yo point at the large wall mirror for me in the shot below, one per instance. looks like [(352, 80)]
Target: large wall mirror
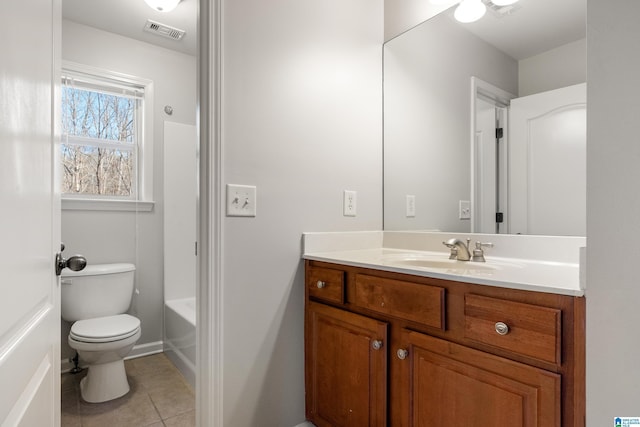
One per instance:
[(485, 122)]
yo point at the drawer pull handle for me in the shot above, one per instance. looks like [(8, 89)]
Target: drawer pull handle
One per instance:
[(402, 353), (502, 328), (376, 344), (321, 284)]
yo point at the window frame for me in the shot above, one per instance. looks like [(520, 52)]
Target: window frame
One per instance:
[(142, 200)]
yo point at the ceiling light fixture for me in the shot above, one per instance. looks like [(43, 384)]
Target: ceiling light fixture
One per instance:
[(162, 5), (470, 11), (503, 2)]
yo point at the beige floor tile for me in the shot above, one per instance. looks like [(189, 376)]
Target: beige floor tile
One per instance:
[(132, 410), (70, 381), (173, 400), (158, 391), (69, 403), (70, 420), (187, 419)]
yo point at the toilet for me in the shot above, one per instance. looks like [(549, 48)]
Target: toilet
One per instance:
[(96, 300)]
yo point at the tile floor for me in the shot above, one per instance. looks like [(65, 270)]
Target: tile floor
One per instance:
[(159, 397)]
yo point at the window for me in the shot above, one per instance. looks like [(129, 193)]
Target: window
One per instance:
[(103, 129)]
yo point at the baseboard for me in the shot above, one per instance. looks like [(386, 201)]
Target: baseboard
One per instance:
[(146, 349), (139, 350)]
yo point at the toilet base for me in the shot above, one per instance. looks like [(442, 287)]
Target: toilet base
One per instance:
[(104, 382)]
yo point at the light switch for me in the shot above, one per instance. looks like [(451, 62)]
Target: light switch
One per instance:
[(241, 200), (464, 209), (410, 206)]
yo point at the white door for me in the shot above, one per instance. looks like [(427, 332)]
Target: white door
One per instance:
[(547, 162), (29, 214)]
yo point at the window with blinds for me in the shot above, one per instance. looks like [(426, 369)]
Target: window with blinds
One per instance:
[(101, 136)]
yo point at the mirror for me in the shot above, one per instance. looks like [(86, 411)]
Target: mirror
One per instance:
[(443, 81)]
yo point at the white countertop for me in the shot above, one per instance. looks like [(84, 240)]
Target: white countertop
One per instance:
[(530, 274)]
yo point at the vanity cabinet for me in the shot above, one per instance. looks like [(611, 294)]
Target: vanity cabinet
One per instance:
[(391, 349)]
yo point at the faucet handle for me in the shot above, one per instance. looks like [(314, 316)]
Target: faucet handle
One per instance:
[(454, 250), (478, 253)]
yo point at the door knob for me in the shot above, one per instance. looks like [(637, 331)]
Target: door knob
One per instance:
[(75, 263)]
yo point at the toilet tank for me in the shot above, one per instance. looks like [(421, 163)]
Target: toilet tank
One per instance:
[(98, 290)]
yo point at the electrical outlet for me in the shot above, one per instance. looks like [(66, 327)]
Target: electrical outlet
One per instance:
[(464, 209), (411, 206), (349, 203), (241, 200)]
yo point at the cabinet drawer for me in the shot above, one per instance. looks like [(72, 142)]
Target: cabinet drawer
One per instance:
[(526, 329), (410, 301), (326, 284)]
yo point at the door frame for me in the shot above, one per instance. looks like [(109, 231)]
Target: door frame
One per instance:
[(209, 325), (500, 98)]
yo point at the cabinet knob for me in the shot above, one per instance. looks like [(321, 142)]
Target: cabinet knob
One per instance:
[(321, 284), (402, 353), (376, 344), (502, 328)]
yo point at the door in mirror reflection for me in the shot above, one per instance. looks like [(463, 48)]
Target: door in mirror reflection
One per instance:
[(547, 163)]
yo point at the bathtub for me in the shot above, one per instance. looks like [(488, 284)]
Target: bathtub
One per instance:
[(180, 336)]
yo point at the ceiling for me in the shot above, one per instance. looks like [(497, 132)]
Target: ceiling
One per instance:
[(532, 27), (128, 18)]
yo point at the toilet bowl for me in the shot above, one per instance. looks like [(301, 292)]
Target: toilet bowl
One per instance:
[(103, 343), (95, 299)]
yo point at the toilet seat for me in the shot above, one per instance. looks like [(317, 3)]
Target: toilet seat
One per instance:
[(105, 329)]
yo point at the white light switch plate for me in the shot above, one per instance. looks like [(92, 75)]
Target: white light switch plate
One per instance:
[(241, 200), (464, 209), (411, 206)]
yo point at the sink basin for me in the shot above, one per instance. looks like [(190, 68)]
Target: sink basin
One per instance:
[(440, 262), (448, 264)]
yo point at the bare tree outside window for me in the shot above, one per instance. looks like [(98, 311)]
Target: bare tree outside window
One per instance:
[(99, 143)]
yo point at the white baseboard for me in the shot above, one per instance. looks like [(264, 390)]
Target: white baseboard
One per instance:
[(146, 349), (139, 350)]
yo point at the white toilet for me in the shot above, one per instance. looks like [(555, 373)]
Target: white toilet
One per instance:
[(96, 299)]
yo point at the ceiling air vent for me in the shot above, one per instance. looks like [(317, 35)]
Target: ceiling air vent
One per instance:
[(163, 30), (500, 11)]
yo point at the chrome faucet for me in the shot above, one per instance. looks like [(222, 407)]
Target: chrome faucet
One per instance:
[(459, 249)]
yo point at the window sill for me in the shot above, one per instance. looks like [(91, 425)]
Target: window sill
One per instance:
[(106, 205)]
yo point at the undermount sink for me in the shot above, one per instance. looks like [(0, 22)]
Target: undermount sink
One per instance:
[(447, 264), (440, 262)]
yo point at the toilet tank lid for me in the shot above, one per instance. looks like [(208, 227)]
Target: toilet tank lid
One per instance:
[(99, 269)]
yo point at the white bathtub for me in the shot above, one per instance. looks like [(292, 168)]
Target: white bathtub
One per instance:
[(180, 335)]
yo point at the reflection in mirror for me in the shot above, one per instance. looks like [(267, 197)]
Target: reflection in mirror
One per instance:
[(449, 86)]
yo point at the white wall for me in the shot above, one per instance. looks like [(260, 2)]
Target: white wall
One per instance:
[(563, 66), (120, 236), (613, 211), (427, 127), (401, 15), (302, 120)]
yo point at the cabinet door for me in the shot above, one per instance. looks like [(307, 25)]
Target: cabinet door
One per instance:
[(346, 368), (449, 384)]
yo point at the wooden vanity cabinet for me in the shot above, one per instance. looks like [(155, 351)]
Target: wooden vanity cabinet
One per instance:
[(390, 349)]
